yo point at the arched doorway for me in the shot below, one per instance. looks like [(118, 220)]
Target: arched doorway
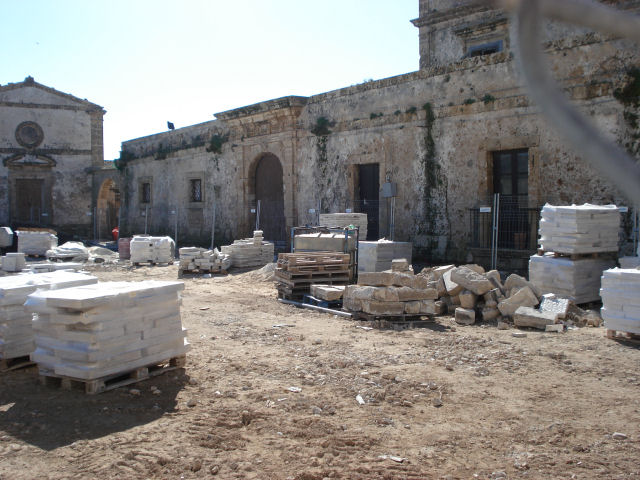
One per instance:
[(108, 204), (268, 188)]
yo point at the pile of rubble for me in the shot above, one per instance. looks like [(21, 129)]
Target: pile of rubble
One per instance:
[(93, 331), (16, 331), (195, 259), (147, 249), (36, 242), (250, 252)]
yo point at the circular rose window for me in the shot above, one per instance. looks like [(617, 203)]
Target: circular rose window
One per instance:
[(29, 134)]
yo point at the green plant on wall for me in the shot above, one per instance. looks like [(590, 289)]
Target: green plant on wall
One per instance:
[(322, 130), (216, 142)]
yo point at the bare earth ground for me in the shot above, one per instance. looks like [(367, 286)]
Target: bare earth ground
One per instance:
[(543, 406)]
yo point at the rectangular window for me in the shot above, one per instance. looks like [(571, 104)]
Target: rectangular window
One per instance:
[(145, 192), (196, 190), (484, 49)]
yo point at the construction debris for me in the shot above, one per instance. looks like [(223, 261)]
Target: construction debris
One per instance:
[(147, 249), (296, 272), (346, 220), (250, 252), (94, 331), (579, 229), (16, 331), (195, 259), (621, 300), (36, 242), (75, 251)]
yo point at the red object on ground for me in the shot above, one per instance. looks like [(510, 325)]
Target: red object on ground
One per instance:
[(114, 233)]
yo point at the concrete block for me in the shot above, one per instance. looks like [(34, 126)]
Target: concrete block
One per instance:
[(522, 298), (465, 316), (327, 292), (468, 299), (530, 317), (557, 305), (471, 280)]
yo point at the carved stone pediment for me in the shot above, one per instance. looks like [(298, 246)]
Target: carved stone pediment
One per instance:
[(29, 160)]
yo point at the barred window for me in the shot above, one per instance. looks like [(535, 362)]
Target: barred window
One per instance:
[(196, 190), (145, 193)]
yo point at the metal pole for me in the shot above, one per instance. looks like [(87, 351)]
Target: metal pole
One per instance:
[(213, 224), (258, 216), (146, 216), (393, 218), (175, 226), (95, 223), (494, 231), (318, 210)]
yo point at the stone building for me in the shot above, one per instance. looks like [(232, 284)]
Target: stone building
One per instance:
[(442, 140), (50, 145)]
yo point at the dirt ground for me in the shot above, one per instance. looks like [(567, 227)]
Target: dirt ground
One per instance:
[(439, 402)]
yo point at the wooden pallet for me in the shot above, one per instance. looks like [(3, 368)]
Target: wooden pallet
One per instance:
[(393, 322), (329, 280), (8, 364), (625, 336), (288, 275), (110, 382), (580, 256), (314, 268)]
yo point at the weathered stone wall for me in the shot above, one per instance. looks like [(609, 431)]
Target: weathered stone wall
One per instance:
[(69, 144), (432, 132)]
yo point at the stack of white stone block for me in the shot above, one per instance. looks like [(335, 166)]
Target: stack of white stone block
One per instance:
[(345, 220), (195, 258), (578, 279), (574, 230), (579, 229), (377, 256), (16, 330), (250, 252), (620, 294), (152, 249), (94, 331), (13, 262), (35, 243)]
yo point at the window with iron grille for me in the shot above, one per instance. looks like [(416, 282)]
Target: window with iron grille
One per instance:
[(196, 189), (145, 192)]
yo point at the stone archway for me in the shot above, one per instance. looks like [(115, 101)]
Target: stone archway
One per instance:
[(266, 186), (108, 207)]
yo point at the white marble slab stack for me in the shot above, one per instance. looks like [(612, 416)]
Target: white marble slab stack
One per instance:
[(250, 252), (36, 243), (579, 229), (16, 330), (13, 262), (152, 249), (620, 294), (578, 279), (94, 331)]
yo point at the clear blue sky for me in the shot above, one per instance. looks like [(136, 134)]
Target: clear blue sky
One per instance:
[(150, 61)]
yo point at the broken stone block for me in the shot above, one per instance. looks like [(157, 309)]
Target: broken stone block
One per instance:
[(452, 287), (359, 292), (494, 277), (556, 327), (476, 268), (467, 299), (490, 313), (465, 316), (407, 294), (530, 317), (441, 288), (382, 308), (438, 272), (327, 292), (491, 304), (431, 307), (400, 265), (472, 281), (353, 304), (440, 307), (503, 325), (455, 300), (412, 308), (522, 298), (385, 294), (515, 281), (376, 279), (418, 282), (551, 303)]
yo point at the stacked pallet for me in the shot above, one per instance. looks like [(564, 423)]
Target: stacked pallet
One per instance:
[(92, 332), (377, 256), (576, 279), (36, 242), (147, 249), (16, 331), (13, 262), (579, 229), (296, 272), (621, 301), (250, 252), (345, 220), (392, 294), (195, 259)]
